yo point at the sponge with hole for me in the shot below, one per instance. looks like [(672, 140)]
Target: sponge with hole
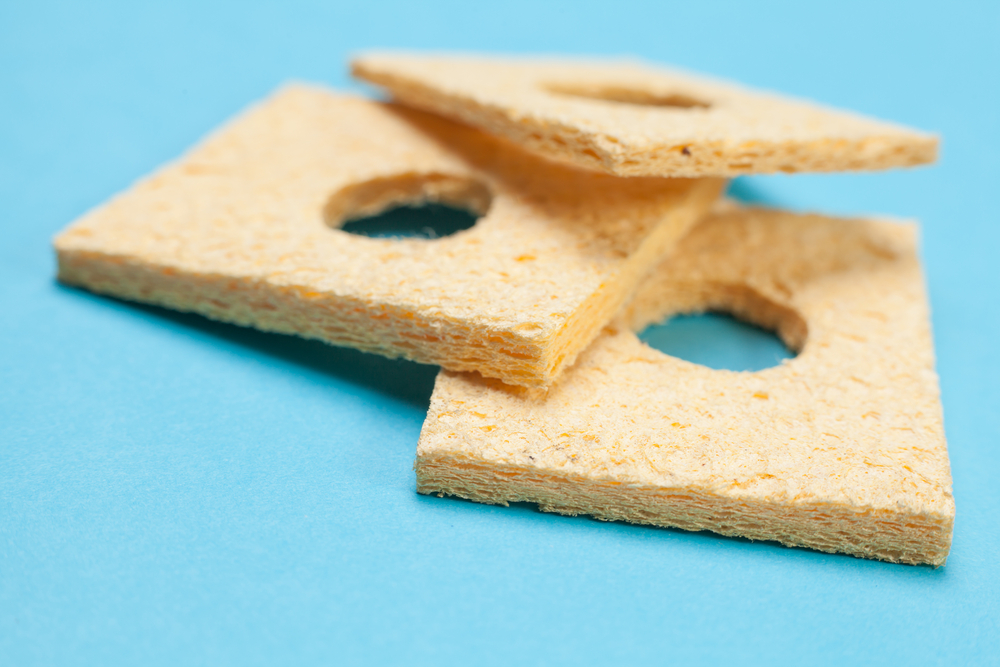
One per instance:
[(841, 449), (244, 229), (633, 119)]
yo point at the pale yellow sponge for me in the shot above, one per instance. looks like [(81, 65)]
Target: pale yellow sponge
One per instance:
[(244, 229), (841, 449), (632, 119)]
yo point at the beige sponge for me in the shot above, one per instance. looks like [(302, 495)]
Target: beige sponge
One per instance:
[(841, 449), (244, 229), (632, 119)]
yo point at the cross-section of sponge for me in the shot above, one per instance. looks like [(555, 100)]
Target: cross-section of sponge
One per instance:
[(244, 229), (840, 449)]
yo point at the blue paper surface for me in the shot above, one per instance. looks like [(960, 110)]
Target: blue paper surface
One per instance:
[(177, 491)]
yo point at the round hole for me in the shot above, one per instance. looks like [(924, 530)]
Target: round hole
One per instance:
[(718, 341), (430, 221), (629, 95), (422, 206)]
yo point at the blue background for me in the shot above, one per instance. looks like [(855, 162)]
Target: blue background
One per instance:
[(175, 491)]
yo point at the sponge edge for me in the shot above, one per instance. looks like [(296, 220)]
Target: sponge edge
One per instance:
[(632, 119), (841, 449), (244, 229)]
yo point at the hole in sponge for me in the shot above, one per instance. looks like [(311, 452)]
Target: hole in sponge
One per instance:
[(629, 95), (430, 221), (717, 340), (426, 206)]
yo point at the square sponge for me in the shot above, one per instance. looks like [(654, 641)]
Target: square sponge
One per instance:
[(245, 229), (632, 119), (840, 449)]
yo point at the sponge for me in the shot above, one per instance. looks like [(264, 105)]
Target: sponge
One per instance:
[(840, 449), (245, 229), (632, 119)]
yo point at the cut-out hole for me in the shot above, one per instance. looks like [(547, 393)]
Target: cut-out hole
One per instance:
[(430, 221), (717, 340), (629, 95), (427, 206)]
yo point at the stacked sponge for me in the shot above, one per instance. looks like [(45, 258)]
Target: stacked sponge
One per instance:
[(597, 185)]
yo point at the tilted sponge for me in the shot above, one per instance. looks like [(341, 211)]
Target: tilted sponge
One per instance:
[(244, 229), (632, 119), (840, 449)]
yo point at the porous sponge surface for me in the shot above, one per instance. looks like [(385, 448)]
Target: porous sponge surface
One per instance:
[(633, 119), (839, 449), (244, 229)]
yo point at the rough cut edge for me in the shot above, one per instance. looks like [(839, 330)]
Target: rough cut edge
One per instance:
[(376, 328), (391, 331), (600, 152), (923, 539)]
